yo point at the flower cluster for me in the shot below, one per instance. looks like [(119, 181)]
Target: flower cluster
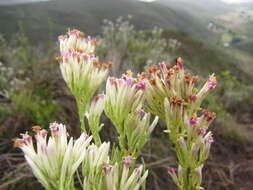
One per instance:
[(138, 129), (80, 68), (166, 91), (100, 174), (55, 159), (123, 96), (127, 179), (92, 167), (123, 105), (75, 39), (168, 81), (172, 94)]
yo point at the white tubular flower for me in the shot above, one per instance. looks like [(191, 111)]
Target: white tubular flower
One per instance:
[(93, 166), (207, 141), (82, 72), (122, 97), (93, 116), (96, 106), (112, 177), (197, 177), (172, 173), (81, 69), (75, 39), (98, 155), (172, 95), (165, 81), (210, 84), (174, 114), (138, 129), (125, 181), (55, 160), (168, 82)]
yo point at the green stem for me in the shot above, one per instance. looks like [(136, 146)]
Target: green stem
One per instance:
[(81, 112), (97, 139), (122, 143)]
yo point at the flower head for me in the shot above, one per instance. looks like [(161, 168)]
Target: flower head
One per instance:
[(55, 157), (169, 82), (80, 67), (208, 115), (123, 95), (75, 39)]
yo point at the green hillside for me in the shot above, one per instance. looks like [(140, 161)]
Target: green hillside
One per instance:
[(89, 15)]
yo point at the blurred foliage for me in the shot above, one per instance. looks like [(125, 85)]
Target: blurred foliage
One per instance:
[(131, 49), (27, 82)]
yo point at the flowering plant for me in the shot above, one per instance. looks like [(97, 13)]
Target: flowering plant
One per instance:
[(171, 94), (123, 105), (166, 92), (81, 69)]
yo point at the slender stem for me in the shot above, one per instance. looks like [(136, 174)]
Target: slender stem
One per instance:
[(81, 111), (122, 143), (97, 139)]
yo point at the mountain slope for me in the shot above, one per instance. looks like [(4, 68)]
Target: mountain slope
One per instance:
[(88, 16)]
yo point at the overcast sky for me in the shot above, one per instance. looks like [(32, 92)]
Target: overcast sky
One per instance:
[(237, 1), (227, 1)]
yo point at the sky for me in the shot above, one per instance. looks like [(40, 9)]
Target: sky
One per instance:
[(227, 1), (237, 1), (149, 1)]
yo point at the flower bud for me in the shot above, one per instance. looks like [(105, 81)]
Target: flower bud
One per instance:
[(194, 119), (54, 128), (128, 161), (172, 173), (180, 63), (182, 145), (208, 116), (27, 139), (107, 168), (193, 98), (138, 170), (200, 131), (141, 85), (212, 83), (162, 65), (43, 133), (197, 176)]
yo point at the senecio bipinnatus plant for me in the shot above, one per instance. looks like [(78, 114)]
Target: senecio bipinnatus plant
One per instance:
[(61, 163)]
